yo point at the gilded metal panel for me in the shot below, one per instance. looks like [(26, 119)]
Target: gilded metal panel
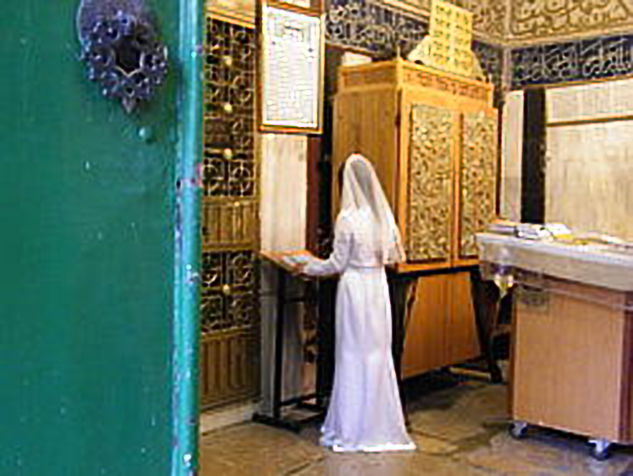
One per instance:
[(229, 224), (478, 179), (228, 367), (430, 184), (229, 152), (229, 291), (230, 266)]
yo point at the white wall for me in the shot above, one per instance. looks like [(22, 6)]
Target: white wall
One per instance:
[(511, 156), (283, 205), (589, 176), (283, 192)]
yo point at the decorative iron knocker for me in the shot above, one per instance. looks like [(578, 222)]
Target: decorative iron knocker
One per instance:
[(121, 49)]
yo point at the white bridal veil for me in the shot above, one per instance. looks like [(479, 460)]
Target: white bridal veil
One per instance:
[(362, 191)]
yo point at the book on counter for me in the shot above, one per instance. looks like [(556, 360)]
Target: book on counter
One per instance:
[(530, 231), (503, 227)]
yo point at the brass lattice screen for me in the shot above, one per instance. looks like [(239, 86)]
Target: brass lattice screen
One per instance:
[(230, 272)]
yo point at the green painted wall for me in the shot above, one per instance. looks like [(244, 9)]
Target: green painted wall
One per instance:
[(88, 267)]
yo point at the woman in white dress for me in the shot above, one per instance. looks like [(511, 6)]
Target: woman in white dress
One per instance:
[(365, 413)]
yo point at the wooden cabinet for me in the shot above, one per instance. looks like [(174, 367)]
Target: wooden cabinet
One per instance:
[(442, 328), (571, 365), (572, 345), (432, 137)]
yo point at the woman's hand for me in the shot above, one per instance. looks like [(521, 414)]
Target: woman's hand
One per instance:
[(298, 269)]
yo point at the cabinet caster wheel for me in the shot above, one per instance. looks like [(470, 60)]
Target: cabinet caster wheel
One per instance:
[(600, 449), (518, 430)]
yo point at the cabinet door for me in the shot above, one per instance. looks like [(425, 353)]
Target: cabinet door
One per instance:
[(428, 183), (477, 180), (425, 339), (462, 342), (365, 122), (441, 327), (96, 282)]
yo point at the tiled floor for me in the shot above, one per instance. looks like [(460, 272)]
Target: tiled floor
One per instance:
[(459, 426)]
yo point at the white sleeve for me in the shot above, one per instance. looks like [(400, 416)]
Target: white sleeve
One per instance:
[(342, 247)]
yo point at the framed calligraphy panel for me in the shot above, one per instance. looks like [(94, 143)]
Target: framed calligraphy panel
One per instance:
[(291, 67)]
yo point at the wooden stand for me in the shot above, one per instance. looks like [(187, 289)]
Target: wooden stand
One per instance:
[(322, 291), (309, 296), (491, 307)]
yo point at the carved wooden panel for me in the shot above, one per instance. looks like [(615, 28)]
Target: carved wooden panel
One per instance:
[(430, 194), (366, 78), (478, 179), (415, 75), (229, 308), (449, 84)]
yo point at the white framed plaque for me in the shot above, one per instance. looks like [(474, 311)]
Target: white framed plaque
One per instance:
[(290, 73)]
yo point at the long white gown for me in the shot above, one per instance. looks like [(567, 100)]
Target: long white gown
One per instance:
[(365, 412)]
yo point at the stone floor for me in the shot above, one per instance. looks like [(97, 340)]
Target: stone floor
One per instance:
[(460, 427)]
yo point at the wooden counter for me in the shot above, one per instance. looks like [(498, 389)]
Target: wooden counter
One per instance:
[(572, 339)]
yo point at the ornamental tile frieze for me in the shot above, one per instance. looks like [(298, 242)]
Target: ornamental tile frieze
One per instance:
[(372, 27), (582, 60), (539, 19)]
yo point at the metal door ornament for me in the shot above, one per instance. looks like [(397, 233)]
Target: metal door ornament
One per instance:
[(121, 49)]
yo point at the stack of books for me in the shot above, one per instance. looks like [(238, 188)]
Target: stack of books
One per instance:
[(503, 227), (530, 231)]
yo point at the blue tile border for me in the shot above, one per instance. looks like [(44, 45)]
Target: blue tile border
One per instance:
[(581, 60)]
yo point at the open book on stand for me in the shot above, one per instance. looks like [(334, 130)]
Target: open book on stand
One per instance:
[(296, 259), (289, 260)]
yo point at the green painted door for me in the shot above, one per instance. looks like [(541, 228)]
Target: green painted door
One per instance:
[(98, 341)]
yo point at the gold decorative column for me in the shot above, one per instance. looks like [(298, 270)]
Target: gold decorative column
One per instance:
[(230, 230)]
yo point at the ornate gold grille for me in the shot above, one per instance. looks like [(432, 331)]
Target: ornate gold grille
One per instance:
[(479, 179), (228, 282), (230, 272), (430, 184), (229, 156)]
